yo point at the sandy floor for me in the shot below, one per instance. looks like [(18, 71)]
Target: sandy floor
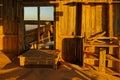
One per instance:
[(65, 71)]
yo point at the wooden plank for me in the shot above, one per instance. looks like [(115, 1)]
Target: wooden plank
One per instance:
[(81, 1), (87, 23), (110, 57), (9, 44), (98, 19), (20, 26), (119, 59), (110, 23), (101, 45), (1, 30), (36, 22), (1, 43), (40, 57), (38, 14), (62, 36), (93, 25), (102, 60), (58, 9), (112, 72), (83, 32), (72, 20), (110, 63)]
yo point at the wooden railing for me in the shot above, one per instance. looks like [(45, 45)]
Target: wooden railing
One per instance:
[(31, 36)]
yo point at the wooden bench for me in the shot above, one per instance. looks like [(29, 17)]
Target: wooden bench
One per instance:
[(40, 57)]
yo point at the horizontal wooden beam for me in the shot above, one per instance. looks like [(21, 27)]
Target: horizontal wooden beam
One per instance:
[(110, 57), (45, 3), (30, 36), (100, 45), (71, 36), (107, 38), (2, 35), (35, 22), (57, 2)]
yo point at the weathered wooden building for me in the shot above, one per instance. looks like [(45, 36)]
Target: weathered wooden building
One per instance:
[(87, 32)]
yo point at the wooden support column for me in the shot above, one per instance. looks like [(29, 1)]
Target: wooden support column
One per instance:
[(110, 29), (38, 28), (102, 60), (119, 59), (110, 23)]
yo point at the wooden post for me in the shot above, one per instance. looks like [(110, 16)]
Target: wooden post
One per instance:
[(38, 27), (110, 28), (110, 23), (102, 60)]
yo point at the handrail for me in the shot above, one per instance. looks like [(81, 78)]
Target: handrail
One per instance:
[(31, 36)]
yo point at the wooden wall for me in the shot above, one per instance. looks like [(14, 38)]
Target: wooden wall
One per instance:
[(84, 18), (71, 18), (116, 19), (94, 19), (8, 28), (65, 24)]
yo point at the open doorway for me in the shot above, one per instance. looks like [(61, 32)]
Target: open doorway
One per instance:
[(39, 27)]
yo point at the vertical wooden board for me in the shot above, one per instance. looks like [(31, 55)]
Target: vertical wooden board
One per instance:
[(115, 9), (20, 27), (105, 18), (98, 18), (65, 20), (102, 60), (87, 21), (110, 23), (93, 26), (83, 20), (61, 18), (79, 51), (78, 19), (116, 20), (116, 64), (110, 63), (1, 29), (90, 20), (61, 21), (74, 27), (71, 20), (1, 43), (10, 44), (116, 53), (70, 11), (14, 45), (58, 25), (69, 49)]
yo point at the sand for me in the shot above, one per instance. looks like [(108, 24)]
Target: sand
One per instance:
[(65, 71)]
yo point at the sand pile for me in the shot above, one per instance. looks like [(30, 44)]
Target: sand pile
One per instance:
[(4, 60)]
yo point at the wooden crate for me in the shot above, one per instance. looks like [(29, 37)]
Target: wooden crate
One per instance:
[(40, 57)]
